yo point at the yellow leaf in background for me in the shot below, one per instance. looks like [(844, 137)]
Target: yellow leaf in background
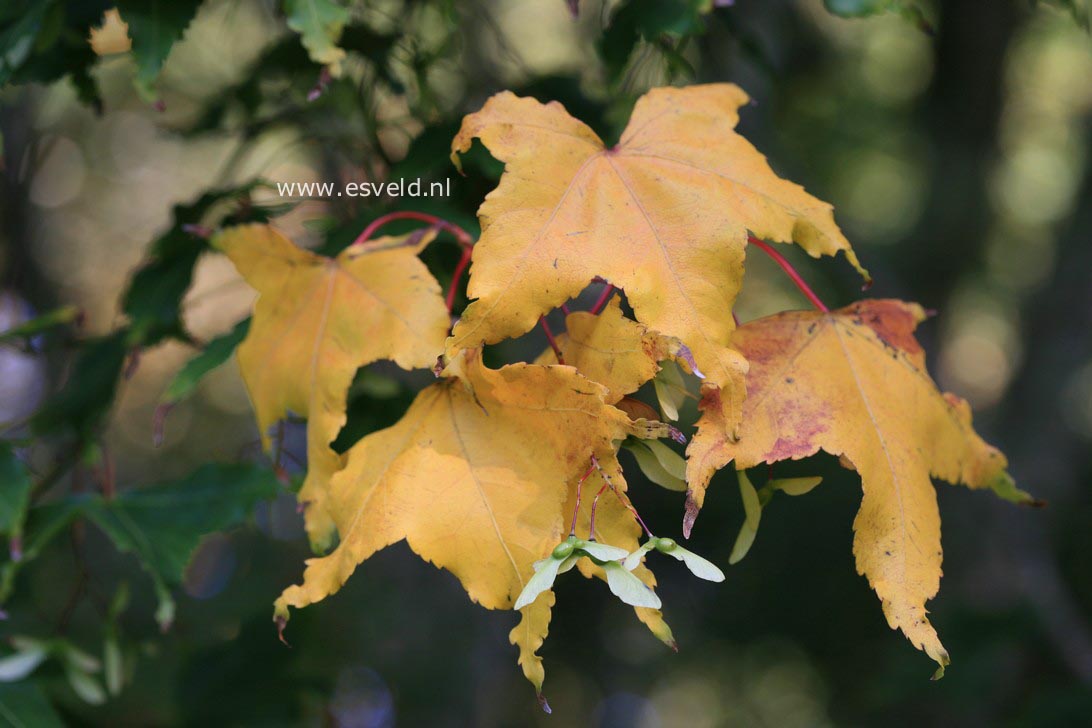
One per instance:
[(611, 349), (317, 320), (853, 383), (475, 477), (663, 215), (112, 36)]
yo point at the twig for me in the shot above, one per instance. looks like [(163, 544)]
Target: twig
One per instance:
[(579, 489), (787, 267), (460, 235), (603, 299), (621, 499), (594, 506), (550, 338)]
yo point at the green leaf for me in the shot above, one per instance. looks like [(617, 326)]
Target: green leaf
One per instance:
[(670, 389), (88, 394), (24, 704), (634, 559), (377, 48), (113, 661), (628, 587), (546, 572), (112, 665), (647, 19), (86, 687), (752, 510), (42, 41), (319, 24), (859, 8), (43, 523), (1078, 10), (162, 524), (660, 464), (72, 655), (601, 551), (58, 317), (19, 35), (699, 566), (215, 353), (910, 11), (15, 487), (1005, 487), (26, 660), (154, 27), (794, 486), (153, 299)]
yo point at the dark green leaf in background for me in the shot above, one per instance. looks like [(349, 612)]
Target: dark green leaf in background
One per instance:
[(24, 705), (87, 395), (14, 492), (161, 524), (215, 353), (153, 299), (154, 26), (46, 40), (649, 20), (58, 317)]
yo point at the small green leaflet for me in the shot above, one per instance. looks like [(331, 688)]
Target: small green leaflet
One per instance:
[(564, 557), (79, 668), (1005, 487), (15, 487), (628, 587), (546, 572), (698, 566), (755, 500), (660, 464), (57, 317), (752, 515), (216, 352), (670, 389)]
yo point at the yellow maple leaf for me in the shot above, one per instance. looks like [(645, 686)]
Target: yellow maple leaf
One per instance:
[(619, 353), (112, 36), (475, 478), (663, 215), (853, 383), (317, 320)]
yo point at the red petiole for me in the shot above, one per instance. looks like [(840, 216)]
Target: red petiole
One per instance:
[(457, 276), (550, 338), (579, 490), (462, 236), (603, 299), (790, 271)]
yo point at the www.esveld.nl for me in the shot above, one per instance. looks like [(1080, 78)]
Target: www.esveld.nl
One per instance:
[(396, 188)]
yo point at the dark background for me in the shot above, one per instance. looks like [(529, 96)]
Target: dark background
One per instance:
[(959, 166)]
